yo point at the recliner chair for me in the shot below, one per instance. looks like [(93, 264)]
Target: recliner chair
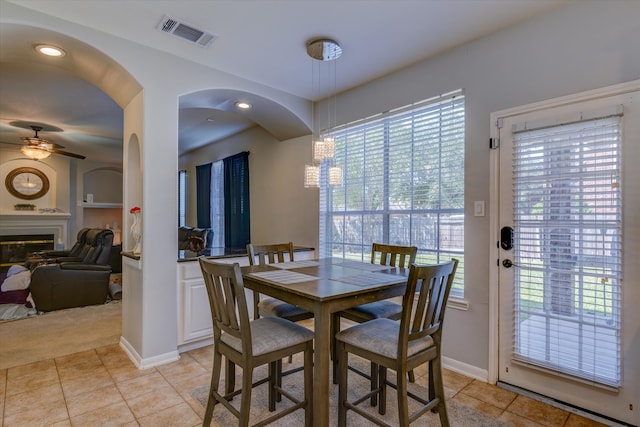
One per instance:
[(75, 281), (51, 256)]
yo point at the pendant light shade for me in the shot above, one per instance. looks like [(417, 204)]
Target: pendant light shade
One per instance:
[(311, 176), (335, 175)]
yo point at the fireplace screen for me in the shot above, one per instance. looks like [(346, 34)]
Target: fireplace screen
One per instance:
[(16, 249)]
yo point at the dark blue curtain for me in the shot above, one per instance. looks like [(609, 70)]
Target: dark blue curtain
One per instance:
[(236, 201), (203, 195)]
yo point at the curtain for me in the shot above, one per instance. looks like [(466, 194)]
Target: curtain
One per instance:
[(236, 195), (203, 195)]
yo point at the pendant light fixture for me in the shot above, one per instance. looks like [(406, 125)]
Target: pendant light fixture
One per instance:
[(323, 53)]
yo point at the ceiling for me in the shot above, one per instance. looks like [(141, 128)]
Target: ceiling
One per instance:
[(260, 40)]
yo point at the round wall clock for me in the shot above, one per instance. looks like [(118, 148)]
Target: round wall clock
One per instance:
[(27, 183)]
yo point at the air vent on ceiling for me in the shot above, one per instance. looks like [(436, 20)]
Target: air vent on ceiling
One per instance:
[(185, 31)]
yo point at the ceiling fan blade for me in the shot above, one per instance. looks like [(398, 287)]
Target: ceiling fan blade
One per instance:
[(10, 143), (66, 153)]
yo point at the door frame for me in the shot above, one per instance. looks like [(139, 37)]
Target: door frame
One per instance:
[(494, 199)]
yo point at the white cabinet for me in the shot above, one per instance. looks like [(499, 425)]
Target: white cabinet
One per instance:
[(194, 315), (194, 318)]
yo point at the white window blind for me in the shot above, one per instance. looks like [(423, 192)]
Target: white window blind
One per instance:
[(403, 184), (567, 222)]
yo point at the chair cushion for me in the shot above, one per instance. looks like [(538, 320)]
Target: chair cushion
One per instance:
[(278, 308), (270, 334), (384, 309), (380, 336)]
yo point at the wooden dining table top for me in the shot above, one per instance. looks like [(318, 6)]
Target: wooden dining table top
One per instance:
[(325, 286), (327, 278)]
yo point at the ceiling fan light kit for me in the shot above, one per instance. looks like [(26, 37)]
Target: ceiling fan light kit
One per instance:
[(34, 152)]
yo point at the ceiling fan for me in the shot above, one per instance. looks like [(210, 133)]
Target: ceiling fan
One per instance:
[(39, 148)]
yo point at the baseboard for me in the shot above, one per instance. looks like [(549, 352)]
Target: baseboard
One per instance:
[(150, 362), (194, 345), (465, 369)]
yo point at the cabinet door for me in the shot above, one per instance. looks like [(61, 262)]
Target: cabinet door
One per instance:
[(195, 315)]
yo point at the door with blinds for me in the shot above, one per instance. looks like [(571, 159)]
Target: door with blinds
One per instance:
[(569, 239)]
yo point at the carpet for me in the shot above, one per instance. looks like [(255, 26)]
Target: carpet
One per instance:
[(459, 414), (59, 333)]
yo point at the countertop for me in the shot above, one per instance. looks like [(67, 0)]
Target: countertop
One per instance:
[(212, 253)]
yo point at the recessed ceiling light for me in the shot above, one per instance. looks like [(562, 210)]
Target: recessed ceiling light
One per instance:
[(49, 50), (243, 105)]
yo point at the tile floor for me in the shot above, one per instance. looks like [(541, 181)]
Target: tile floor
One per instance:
[(101, 387)]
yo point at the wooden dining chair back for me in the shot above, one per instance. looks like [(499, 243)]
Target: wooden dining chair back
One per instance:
[(267, 306), (403, 346), (393, 256), (270, 254), (250, 344)]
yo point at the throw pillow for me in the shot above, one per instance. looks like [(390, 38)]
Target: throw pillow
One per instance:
[(17, 282), (15, 269)]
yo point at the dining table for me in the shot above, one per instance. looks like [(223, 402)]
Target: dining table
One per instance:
[(325, 286)]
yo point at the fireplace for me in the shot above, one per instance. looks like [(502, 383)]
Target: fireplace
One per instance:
[(16, 226), (17, 249)]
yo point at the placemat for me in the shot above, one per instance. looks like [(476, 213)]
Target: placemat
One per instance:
[(283, 276), (295, 264), (363, 265), (370, 278)]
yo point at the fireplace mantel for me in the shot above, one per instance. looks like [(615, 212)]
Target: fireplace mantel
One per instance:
[(14, 222)]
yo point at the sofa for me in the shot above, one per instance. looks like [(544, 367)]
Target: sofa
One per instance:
[(189, 238), (75, 281)]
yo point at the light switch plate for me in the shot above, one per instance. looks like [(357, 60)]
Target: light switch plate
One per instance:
[(478, 208)]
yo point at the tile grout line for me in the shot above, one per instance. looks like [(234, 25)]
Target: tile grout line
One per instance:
[(115, 383), (4, 396), (64, 397), (177, 392)]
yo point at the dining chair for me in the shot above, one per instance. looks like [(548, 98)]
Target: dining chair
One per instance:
[(402, 346), (393, 256), (249, 344), (269, 306)]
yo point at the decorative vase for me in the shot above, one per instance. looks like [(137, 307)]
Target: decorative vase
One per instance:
[(136, 232)]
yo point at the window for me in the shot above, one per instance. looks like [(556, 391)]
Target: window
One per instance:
[(403, 184), (217, 204), (182, 198)]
